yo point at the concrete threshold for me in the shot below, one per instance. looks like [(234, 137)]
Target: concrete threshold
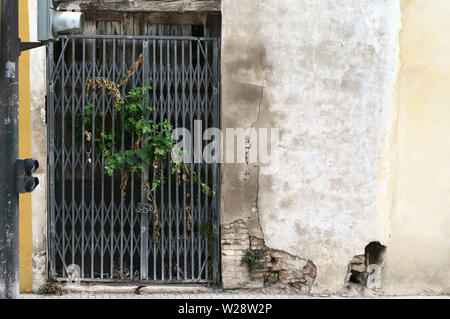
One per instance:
[(139, 289)]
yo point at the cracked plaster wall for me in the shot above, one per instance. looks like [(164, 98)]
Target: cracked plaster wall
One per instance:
[(39, 152), (323, 73)]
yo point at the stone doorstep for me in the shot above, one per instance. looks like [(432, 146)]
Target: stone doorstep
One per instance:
[(147, 289), (241, 286)]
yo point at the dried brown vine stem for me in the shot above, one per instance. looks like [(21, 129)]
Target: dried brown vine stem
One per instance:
[(132, 70), (102, 83), (88, 135), (155, 210), (124, 182), (137, 144), (112, 87), (185, 178), (189, 217)]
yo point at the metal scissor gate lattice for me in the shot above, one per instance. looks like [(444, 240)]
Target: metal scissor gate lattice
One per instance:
[(109, 236)]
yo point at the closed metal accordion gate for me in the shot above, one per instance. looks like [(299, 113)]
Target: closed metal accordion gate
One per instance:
[(107, 234)]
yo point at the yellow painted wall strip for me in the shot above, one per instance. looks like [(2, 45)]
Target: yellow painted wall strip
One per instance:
[(25, 222)]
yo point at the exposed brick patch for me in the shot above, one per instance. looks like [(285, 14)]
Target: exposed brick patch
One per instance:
[(283, 270), (292, 270), (235, 242), (357, 271), (272, 268)]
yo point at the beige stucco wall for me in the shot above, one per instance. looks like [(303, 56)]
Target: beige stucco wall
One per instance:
[(39, 152), (418, 254)]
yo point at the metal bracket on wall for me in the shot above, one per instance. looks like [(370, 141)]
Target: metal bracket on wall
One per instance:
[(24, 46)]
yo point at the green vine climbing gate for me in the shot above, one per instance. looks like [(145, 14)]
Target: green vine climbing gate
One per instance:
[(119, 207)]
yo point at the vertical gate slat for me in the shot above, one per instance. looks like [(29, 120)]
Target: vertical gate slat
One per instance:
[(112, 202), (131, 217), (191, 178), (206, 169), (73, 149), (92, 236), (177, 207), (63, 162), (169, 198), (184, 147), (83, 151), (155, 252), (144, 179), (199, 142), (102, 231), (161, 190), (122, 170), (51, 158)]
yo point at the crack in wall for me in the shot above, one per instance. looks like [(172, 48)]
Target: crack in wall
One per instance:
[(287, 269)]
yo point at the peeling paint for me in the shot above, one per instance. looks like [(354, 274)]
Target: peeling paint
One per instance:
[(10, 70)]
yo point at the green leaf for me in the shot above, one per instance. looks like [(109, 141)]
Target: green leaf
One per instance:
[(120, 159), (142, 154), (160, 151), (207, 190)]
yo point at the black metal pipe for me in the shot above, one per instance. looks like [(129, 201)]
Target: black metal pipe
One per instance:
[(9, 150)]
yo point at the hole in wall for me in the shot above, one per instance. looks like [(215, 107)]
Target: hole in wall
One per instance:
[(357, 277), (364, 271), (374, 253)]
